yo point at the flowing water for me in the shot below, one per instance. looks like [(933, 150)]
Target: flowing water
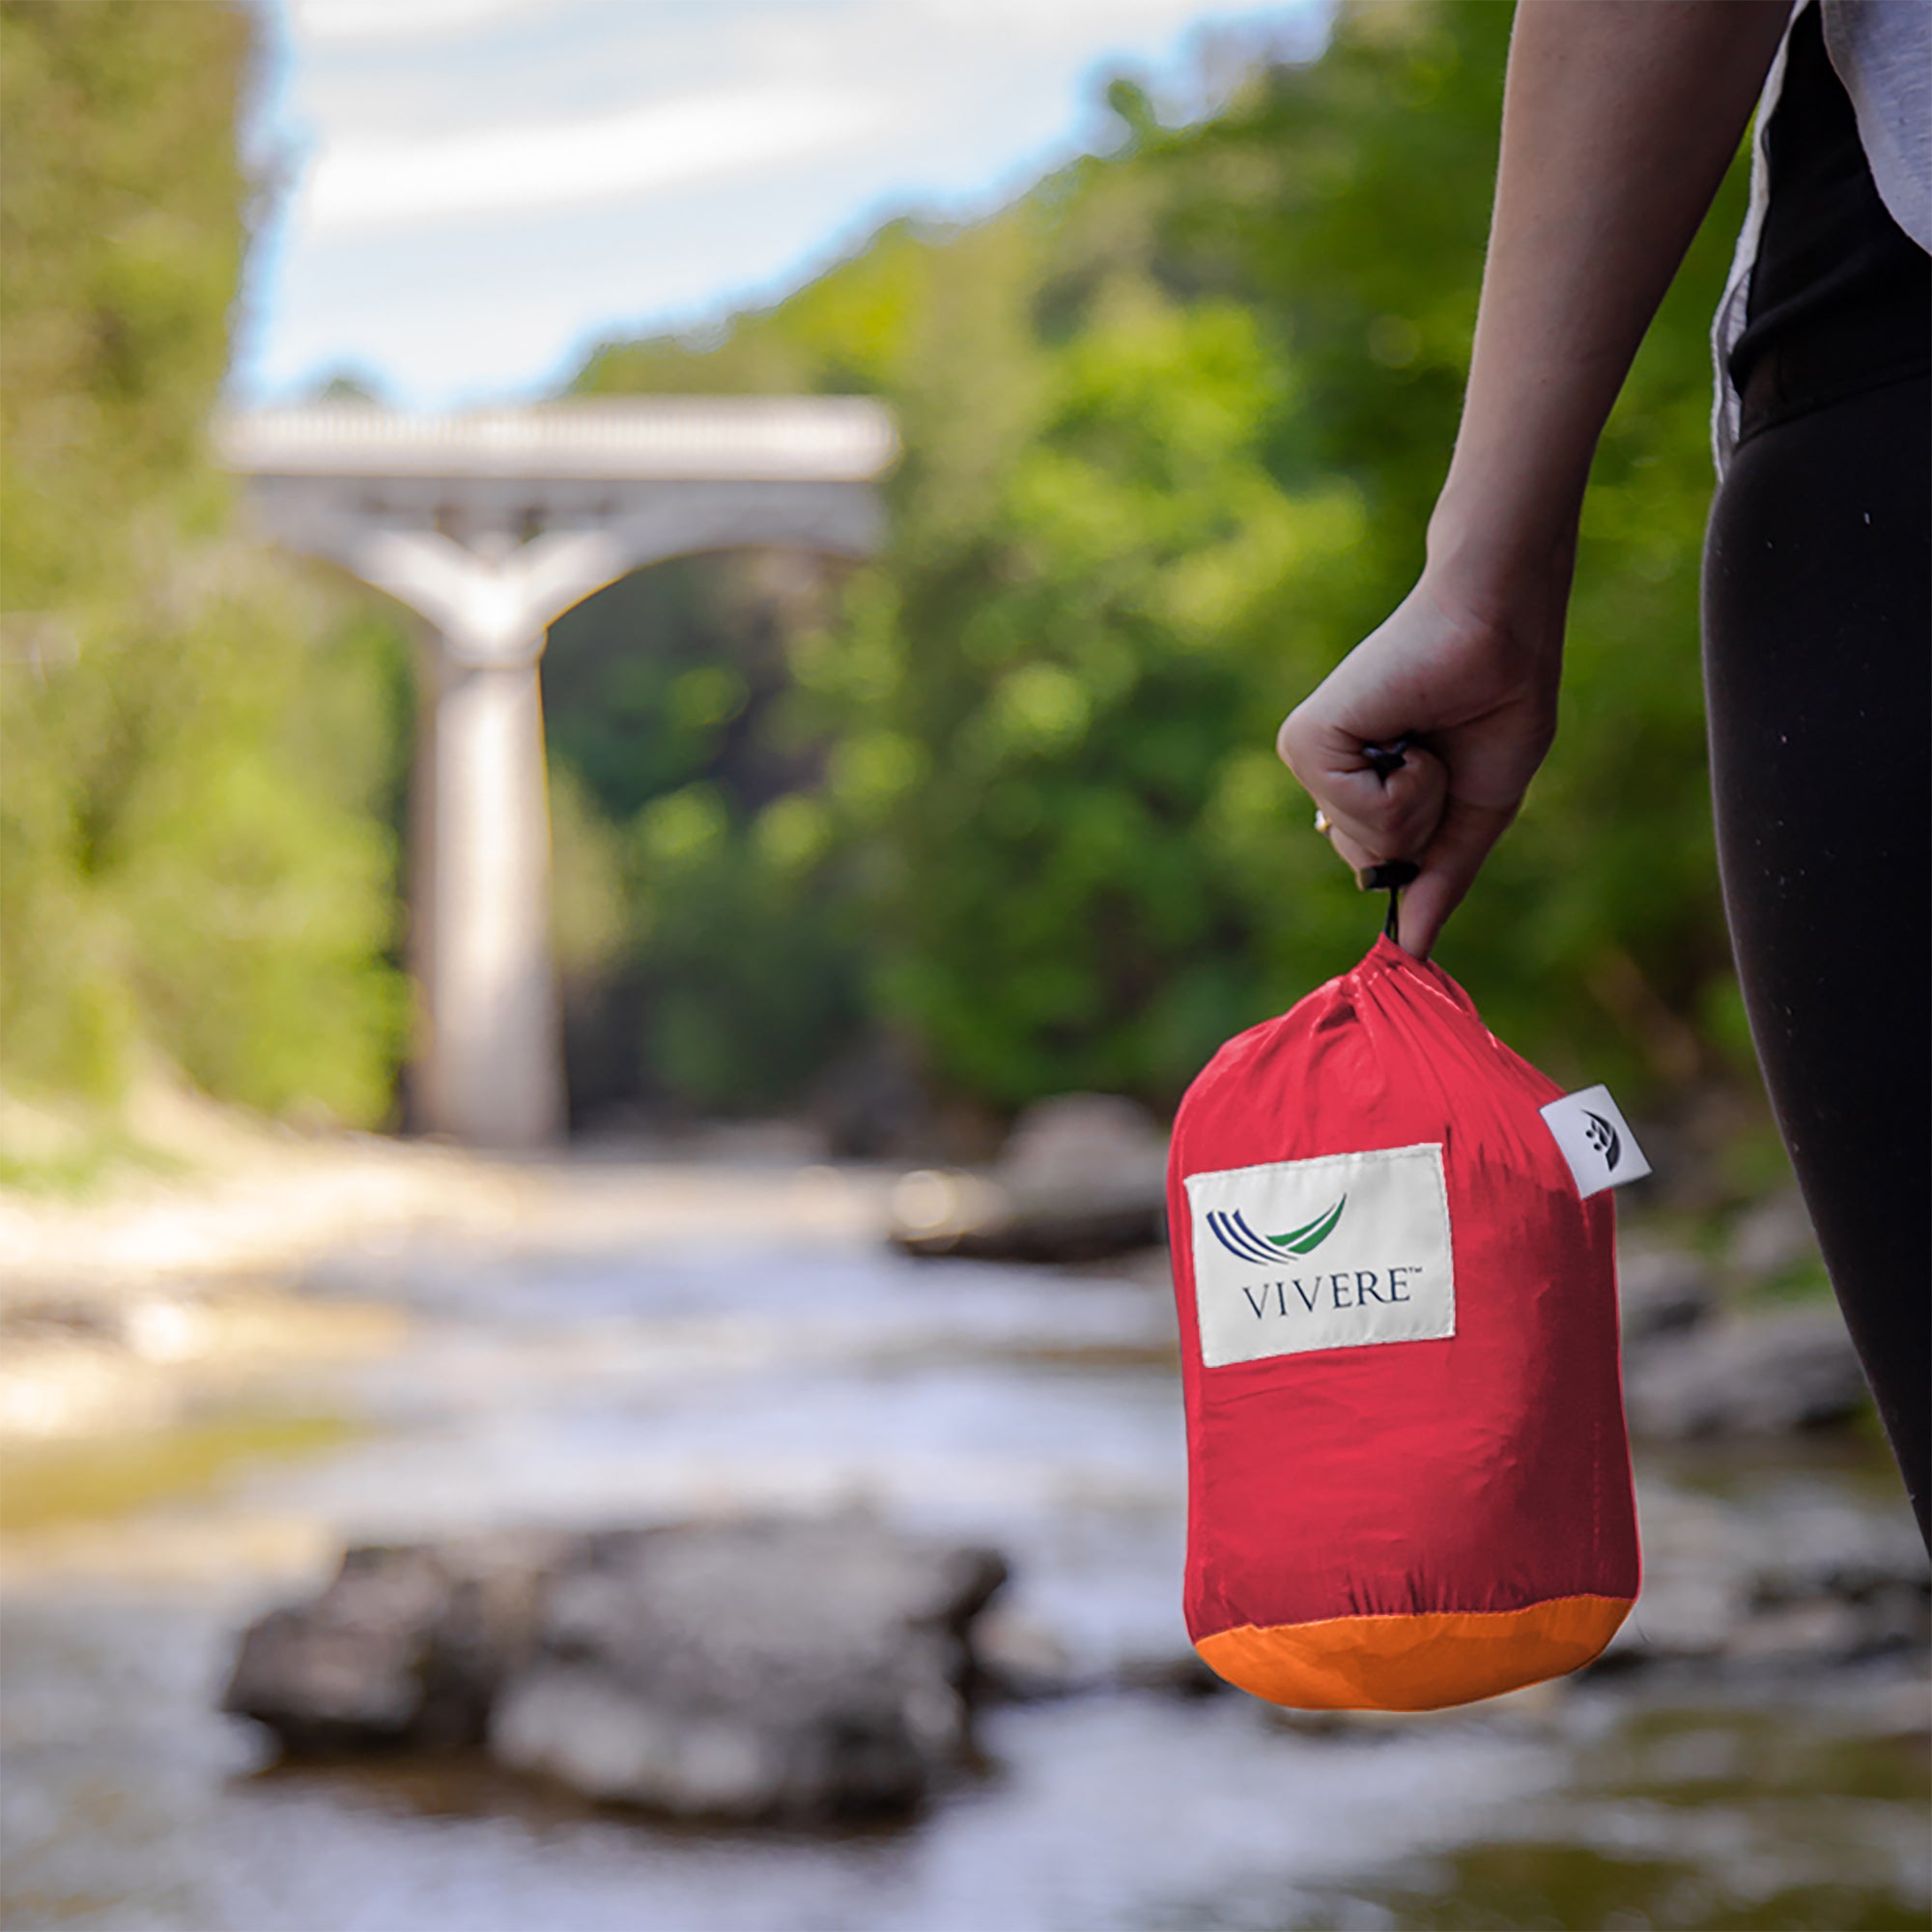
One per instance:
[(742, 1365)]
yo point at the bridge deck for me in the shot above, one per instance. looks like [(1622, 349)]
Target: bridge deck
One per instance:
[(657, 438)]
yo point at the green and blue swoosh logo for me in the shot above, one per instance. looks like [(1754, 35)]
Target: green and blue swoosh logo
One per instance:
[(1233, 1231)]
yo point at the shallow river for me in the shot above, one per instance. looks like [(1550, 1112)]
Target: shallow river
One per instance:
[(1033, 1409)]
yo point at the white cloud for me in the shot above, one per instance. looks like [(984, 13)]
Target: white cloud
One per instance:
[(355, 23), (374, 183)]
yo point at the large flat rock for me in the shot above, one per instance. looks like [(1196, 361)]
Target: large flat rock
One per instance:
[(785, 1670)]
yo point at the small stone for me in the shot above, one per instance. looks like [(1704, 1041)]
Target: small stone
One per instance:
[(1181, 1674), (404, 1646), (1898, 1617), (1696, 1585), (1824, 1630), (1020, 1660), (1773, 1237), (1082, 1176), (1822, 1551), (1762, 1375), (1663, 1292), (1084, 1143)]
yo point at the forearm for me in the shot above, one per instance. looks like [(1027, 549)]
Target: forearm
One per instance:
[(1619, 119)]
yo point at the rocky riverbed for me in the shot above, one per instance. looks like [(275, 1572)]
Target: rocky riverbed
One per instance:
[(728, 1343)]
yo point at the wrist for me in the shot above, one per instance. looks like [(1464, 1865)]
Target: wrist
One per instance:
[(1503, 568)]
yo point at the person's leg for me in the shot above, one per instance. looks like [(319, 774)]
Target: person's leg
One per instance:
[(1818, 676)]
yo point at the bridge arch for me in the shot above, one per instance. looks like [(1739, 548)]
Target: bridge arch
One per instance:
[(490, 525)]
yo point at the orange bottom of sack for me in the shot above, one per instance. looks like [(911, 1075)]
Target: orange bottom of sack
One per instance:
[(1419, 1662)]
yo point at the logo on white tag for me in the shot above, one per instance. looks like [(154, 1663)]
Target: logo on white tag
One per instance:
[(1596, 1140), (1337, 1252)]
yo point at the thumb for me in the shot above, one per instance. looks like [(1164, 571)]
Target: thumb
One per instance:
[(1449, 867)]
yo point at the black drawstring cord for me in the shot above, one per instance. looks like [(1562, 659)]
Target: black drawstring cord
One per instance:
[(1392, 874), (1390, 877)]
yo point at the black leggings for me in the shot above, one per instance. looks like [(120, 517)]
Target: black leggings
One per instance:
[(1818, 678)]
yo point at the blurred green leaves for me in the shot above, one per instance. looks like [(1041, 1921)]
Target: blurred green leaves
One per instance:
[(1172, 425), (708, 944), (199, 746)]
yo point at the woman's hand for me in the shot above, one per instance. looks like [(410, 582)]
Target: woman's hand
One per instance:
[(1476, 696)]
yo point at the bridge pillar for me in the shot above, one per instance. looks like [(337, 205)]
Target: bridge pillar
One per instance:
[(489, 1063)]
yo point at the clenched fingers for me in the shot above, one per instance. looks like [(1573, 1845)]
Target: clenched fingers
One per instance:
[(1380, 818)]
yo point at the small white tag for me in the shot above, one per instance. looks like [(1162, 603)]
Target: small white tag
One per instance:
[(1596, 1140), (1335, 1252)]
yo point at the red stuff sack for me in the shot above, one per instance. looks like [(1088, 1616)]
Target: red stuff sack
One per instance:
[(1408, 1477)]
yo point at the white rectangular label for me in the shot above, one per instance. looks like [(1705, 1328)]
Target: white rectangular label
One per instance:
[(1336, 1252), (1596, 1140)]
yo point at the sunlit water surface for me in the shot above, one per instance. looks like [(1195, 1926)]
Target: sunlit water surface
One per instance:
[(1035, 1410)]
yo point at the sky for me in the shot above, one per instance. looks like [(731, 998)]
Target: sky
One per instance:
[(466, 194)]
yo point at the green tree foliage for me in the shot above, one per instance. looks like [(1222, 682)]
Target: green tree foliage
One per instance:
[(1172, 425), (719, 968), (197, 743)]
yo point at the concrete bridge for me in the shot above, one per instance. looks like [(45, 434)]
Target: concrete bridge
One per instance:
[(491, 526)]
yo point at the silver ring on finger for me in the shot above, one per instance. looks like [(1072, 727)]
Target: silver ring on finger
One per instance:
[(1324, 824)]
